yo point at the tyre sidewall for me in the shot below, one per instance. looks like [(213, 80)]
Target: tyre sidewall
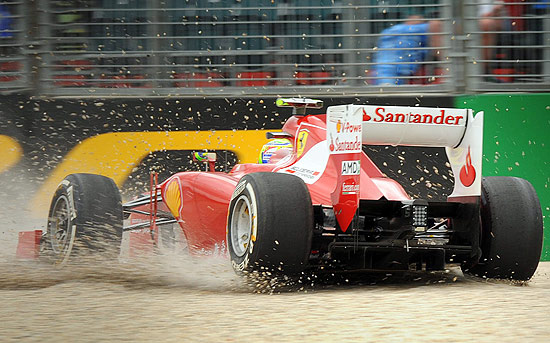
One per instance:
[(242, 263), (95, 207), (511, 229), (282, 223), (47, 251)]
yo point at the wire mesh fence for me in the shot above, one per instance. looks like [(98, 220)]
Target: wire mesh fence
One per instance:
[(246, 47), (14, 67), (510, 46)]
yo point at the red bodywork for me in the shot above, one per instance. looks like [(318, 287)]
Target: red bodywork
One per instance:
[(200, 200)]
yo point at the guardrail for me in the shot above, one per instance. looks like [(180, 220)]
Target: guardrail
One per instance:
[(263, 47)]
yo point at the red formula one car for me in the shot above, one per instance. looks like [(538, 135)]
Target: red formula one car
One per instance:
[(323, 204)]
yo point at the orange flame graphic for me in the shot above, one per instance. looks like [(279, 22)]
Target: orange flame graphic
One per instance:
[(468, 172)]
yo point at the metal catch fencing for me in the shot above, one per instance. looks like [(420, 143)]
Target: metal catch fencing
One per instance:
[(270, 47), (14, 66)]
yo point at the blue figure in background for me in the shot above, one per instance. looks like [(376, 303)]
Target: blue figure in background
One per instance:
[(407, 43), (5, 22)]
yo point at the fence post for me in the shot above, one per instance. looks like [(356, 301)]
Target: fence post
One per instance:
[(349, 45), (453, 61), (473, 66), (34, 43), (546, 47), (155, 73)]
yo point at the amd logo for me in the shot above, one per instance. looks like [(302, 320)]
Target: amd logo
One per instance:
[(351, 167)]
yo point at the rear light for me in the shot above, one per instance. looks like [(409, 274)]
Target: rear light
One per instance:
[(420, 217)]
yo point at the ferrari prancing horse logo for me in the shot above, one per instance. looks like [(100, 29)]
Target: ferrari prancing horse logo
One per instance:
[(302, 140)]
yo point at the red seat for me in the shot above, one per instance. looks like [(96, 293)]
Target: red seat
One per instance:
[(313, 77), (254, 79), (122, 81), (70, 80), (199, 80), (10, 66), (80, 64), (506, 72), (301, 78), (320, 77), (8, 78)]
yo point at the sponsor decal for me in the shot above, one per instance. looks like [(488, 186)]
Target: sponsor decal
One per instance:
[(414, 116), (239, 189), (344, 132), (312, 164), (351, 167), (366, 117), (172, 197), (339, 126), (467, 172), (303, 173), (350, 187), (70, 195), (301, 142), (344, 146), (253, 212)]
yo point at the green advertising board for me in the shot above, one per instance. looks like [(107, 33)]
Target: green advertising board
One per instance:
[(517, 142)]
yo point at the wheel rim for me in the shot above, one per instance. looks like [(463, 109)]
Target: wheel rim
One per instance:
[(241, 226), (60, 228)]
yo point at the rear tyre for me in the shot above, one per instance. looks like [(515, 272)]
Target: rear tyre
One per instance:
[(85, 218), (270, 224), (511, 229)]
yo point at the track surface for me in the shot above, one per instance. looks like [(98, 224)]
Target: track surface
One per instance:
[(174, 299)]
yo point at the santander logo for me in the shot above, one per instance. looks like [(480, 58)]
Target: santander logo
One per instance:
[(467, 172), (366, 117), (411, 116)]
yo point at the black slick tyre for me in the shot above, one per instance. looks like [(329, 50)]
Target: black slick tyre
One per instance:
[(270, 224), (511, 229), (85, 219)]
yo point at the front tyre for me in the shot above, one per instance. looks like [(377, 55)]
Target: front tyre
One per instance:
[(511, 229), (270, 224), (85, 218)]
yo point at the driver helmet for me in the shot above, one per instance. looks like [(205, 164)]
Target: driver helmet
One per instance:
[(271, 147)]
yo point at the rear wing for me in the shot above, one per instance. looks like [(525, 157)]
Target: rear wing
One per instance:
[(457, 130)]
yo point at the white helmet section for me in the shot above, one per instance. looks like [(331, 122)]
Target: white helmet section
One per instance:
[(454, 129)]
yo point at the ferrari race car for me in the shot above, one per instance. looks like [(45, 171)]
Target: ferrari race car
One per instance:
[(321, 203)]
